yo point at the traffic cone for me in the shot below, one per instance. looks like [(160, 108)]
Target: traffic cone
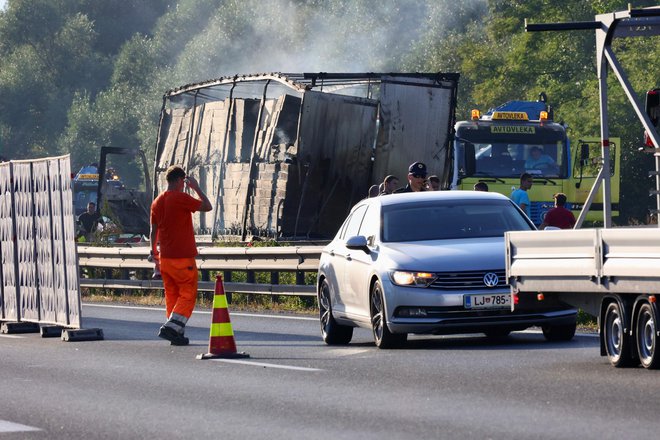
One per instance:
[(221, 341)]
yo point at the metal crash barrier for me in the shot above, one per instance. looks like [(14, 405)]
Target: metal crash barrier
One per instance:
[(128, 268), (39, 286)]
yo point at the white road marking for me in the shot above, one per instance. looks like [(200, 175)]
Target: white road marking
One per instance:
[(262, 364), (204, 312), (11, 336), (6, 426), (111, 306), (347, 351), (255, 315)]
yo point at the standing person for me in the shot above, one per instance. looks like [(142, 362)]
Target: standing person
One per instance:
[(373, 191), (416, 179), (433, 183), (520, 196), (89, 221), (481, 186), (559, 216), (172, 229), (389, 184)]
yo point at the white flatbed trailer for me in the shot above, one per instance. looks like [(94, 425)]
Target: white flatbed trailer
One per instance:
[(611, 273)]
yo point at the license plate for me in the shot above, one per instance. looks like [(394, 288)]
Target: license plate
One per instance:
[(489, 301)]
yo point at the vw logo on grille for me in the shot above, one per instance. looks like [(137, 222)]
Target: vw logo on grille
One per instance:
[(491, 279)]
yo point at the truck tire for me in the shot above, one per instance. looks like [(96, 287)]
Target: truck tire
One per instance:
[(645, 336), (559, 333), (617, 341)]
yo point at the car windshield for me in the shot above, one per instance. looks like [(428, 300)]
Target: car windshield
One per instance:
[(450, 219)]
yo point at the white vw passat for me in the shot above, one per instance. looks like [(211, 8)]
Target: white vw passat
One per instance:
[(429, 262)]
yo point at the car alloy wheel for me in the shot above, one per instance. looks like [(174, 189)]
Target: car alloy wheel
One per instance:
[(331, 332), (382, 335)]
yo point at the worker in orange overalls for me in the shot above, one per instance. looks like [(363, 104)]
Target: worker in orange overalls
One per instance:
[(172, 230)]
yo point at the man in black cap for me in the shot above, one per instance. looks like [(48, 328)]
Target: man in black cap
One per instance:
[(416, 179)]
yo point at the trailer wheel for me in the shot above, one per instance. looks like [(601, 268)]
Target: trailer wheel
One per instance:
[(646, 338), (616, 340)]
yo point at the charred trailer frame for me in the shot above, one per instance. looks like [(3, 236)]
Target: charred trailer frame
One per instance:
[(288, 155)]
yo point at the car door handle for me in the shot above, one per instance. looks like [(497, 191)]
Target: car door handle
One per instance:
[(348, 258)]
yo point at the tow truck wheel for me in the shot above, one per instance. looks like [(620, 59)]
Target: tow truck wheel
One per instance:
[(617, 342), (646, 338)]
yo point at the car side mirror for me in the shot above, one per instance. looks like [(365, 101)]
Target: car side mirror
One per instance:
[(358, 242), (584, 153)]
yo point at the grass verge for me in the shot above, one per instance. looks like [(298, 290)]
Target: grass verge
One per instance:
[(237, 301)]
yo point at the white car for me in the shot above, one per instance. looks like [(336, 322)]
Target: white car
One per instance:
[(429, 262)]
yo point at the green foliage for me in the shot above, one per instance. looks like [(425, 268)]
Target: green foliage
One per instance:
[(586, 320)]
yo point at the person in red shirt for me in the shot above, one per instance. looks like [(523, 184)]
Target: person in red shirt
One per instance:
[(559, 217), (172, 231)]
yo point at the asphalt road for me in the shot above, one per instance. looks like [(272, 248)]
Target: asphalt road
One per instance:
[(134, 385)]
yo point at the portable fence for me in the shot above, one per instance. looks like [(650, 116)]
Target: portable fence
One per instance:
[(39, 285)]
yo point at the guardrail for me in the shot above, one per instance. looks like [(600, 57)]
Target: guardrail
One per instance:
[(100, 266)]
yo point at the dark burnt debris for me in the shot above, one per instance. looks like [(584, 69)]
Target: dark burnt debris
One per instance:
[(286, 155)]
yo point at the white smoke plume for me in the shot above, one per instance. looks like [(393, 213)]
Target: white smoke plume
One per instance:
[(255, 36)]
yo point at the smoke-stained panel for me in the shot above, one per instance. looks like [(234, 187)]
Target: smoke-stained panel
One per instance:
[(333, 162), (417, 118), (288, 155)]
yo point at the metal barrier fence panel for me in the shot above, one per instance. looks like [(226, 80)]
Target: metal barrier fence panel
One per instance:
[(39, 266), (43, 241), (8, 290), (71, 306), (25, 241)]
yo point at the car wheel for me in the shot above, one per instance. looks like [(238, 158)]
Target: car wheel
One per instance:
[(497, 334), (559, 333), (616, 340), (382, 335), (332, 332), (646, 338)]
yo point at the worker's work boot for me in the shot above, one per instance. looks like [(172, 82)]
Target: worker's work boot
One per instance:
[(173, 336), (173, 329)]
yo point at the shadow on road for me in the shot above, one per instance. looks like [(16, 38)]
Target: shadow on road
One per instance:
[(471, 342)]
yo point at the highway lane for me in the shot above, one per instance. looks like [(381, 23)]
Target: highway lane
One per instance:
[(135, 386)]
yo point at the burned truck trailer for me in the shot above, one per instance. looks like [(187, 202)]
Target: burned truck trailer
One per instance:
[(288, 155)]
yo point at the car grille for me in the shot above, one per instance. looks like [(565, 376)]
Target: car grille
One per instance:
[(466, 281)]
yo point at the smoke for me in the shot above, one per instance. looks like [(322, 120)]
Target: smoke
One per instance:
[(256, 36)]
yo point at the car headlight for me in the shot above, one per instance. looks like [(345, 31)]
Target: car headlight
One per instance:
[(405, 278)]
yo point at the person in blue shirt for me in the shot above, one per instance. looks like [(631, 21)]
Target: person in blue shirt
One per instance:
[(520, 196), (538, 160)]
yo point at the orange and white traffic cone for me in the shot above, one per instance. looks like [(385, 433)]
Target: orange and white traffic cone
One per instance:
[(221, 341)]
